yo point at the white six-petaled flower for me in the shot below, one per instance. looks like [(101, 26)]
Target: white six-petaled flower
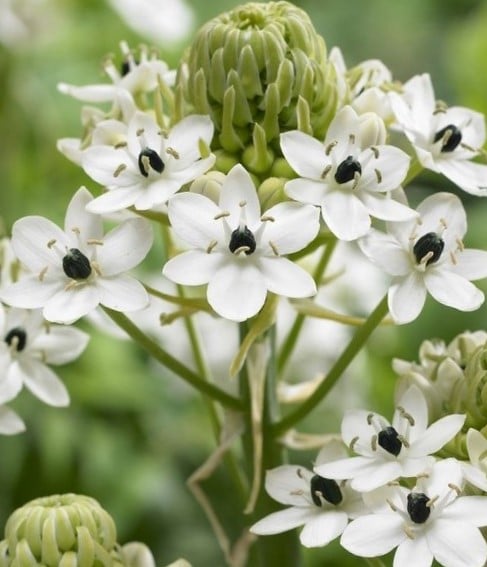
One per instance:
[(428, 255), (432, 521), (71, 272), (444, 139), (350, 175), (150, 166), (321, 505), (238, 252), (29, 345), (387, 451)]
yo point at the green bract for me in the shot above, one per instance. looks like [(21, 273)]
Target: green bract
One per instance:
[(258, 70), (61, 531)]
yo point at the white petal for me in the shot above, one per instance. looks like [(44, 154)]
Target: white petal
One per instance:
[(323, 528), (282, 521), (194, 267), (376, 475), (86, 224), (474, 476), (283, 277), (345, 468), (476, 445), (356, 423), (192, 218), (185, 135), (238, 188), (392, 165), (114, 200), (406, 298), (306, 191), (31, 241), (237, 291), (373, 535), (385, 251), (122, 293), (102, 163), (331, 451), (454, 547), (11, 384), (467, 508), (156, 193), (89, 93), (437, 435), (445, 206), (305, 154), (30, 292), (289, 484), (413, 403), (61, 344), (143, 132), (469, 176), (10, 422), (44, 384), (453, 290), (71, 148), (345, 215), (471, 264), (385, 208), (67, 306), (125, 246), (413, 552)]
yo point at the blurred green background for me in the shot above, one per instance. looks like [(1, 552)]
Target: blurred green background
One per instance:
[(132, 435)]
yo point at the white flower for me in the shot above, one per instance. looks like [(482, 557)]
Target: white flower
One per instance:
[(160, 22), (428, 255), (430, 521), (444, 139), (71, 272), (322, 505), (10, 422), (135, 76), (387, 451), (349, 175), (29, 345), (238, 252), (150, 167), (475, 471)]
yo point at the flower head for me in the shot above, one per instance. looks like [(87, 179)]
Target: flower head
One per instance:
[(149, 167), (444, 139), (431, 521), (428, 255), (238, 252), (349, 175), (71, 272), (321, 505), (387, 450)]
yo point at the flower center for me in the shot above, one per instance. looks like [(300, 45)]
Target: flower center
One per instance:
[(348, 170), (150, 159), (428, 248), (325, 488), (418, 508), (76, 265), (16, 337), (242, 240), (389, 440), (450, 137)]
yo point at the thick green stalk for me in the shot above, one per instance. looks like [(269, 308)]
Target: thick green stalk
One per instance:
[(172, 363), (358, 340), (283, 550)]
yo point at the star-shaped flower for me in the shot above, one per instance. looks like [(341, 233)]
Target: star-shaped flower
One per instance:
[(134, 76), (30, 344), (444, 139), (149, 167), (71, 272), (238, 252), (387, 451), (350, 175), (321, 505), (428, 255), (432, 521)]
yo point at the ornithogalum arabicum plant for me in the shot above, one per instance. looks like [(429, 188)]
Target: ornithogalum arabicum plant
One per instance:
[(279, 181)]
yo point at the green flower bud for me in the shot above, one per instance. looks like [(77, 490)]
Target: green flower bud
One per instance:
[(271, 192), (259, 70), (63, 531), (209, 185)]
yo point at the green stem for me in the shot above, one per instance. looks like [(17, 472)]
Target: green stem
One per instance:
[(374, 562), (415, 168), (293, 334), (358, 340), (172, 363)]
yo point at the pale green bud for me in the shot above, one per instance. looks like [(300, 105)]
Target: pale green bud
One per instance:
[(209, 185), (271, 192), (372, 130), (66, 530), (259, 70)]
